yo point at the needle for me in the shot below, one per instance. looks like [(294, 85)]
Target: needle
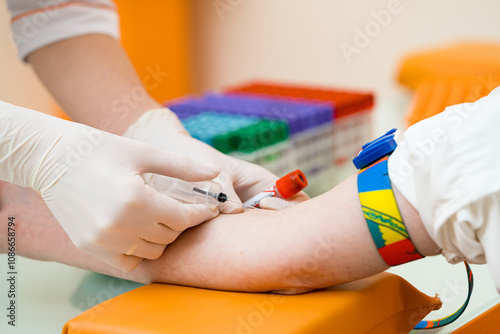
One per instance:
[(245, 205), (221, 197)]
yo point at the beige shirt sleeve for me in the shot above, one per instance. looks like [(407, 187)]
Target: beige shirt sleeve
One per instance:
[(36, 24)]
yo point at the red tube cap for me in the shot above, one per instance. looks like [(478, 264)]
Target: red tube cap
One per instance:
[(291, 183)]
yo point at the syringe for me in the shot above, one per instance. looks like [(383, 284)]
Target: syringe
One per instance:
[(210, 192), (205, 192)]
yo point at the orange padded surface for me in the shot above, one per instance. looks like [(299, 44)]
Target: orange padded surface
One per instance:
[(485, 323), (434, 94), (384, 303), (466, 59)]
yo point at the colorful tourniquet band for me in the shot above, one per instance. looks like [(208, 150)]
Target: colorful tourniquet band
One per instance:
[(382, 215), (388, 230)]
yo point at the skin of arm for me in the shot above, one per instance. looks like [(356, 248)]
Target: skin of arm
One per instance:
[(94, 81), (315, 244)]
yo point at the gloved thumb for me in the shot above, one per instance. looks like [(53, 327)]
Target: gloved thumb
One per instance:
[(274, 203), (277, 203), (227, 187)]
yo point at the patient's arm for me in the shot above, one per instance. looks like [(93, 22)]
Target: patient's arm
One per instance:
[(315, 244)]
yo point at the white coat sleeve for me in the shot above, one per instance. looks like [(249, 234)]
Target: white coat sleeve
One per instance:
[(448, 168), (36, 24)]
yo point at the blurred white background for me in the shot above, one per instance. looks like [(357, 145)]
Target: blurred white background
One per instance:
[(18, 83), (299, 41)]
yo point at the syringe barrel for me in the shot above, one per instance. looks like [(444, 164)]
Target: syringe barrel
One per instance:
[(189, 192)]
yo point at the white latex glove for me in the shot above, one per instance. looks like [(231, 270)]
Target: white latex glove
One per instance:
[(241, 180), (92, 183)]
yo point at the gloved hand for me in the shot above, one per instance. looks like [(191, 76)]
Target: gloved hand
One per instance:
[(92, 183), (240, 180)]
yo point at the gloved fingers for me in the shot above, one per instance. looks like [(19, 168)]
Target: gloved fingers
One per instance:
[(118, 260), (124, 262), (174, 214), (177, 165), (231, 207), (274, 203), (160, 234), (249, 179), (299, 197), (227, 187), (188, 216), (277, 203), (146, 250)]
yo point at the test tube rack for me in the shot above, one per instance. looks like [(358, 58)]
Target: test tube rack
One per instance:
[(351, 110), (283, 127)]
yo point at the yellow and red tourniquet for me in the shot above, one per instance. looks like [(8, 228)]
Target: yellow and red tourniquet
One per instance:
[(382, 215)]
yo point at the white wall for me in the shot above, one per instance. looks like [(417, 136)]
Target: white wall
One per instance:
[(294, 40), (18, 83), (300, 40)]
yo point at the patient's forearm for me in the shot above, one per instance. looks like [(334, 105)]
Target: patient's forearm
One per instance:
[(318, 243)]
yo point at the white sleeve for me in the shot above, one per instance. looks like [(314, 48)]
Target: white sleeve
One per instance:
[(36, 24), (448, 168)]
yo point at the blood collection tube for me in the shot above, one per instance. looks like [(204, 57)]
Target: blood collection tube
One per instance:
[(285, 187)]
